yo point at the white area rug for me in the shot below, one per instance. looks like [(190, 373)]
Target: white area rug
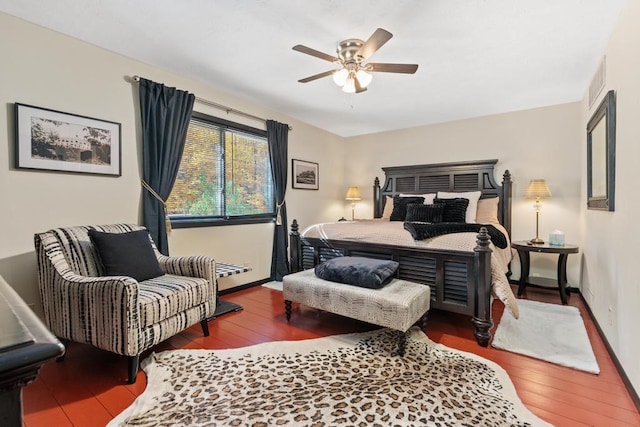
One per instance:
[(273, 285), (551, 332), (353, 379)]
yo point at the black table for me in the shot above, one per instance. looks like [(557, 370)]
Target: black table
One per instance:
[(225, 270), (25, 345), (525, 248)]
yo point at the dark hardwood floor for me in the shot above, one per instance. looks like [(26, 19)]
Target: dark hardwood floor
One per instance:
[(89, 389)]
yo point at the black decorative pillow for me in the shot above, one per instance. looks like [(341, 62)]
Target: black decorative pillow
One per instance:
[(424, 213), (127, 254), (400, 206), (357, 271), (454, 209)]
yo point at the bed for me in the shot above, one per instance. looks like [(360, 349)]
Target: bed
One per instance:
[(462, 280)]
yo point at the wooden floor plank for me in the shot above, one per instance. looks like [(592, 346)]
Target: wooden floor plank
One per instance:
[(566, 398), (537, 371), (68, 382), (40, 407), (585, 416), (75, 392)]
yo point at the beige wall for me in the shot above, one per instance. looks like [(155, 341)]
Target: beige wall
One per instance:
[(50, 70), (610, 275), (539, 143)]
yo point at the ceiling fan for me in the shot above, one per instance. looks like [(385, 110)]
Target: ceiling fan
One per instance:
[(354, 75)]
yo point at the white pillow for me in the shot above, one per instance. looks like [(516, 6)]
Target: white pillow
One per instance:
[(428, 198), (472, 196)]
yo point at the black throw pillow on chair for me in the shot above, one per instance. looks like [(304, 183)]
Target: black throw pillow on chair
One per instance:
[(127, 254)]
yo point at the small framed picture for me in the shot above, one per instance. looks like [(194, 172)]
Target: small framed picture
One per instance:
[(56, 141), (304, 175)]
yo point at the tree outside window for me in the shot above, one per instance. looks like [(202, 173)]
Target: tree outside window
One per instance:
[(224, 175)]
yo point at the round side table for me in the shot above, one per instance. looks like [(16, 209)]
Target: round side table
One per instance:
[(525, 248)]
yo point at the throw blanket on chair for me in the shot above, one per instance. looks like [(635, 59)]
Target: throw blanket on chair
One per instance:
[(425, 230)]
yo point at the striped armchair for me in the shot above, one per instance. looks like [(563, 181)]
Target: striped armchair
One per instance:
[(119, 314)]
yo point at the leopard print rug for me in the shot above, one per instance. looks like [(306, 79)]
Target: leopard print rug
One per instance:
[(342, 380)]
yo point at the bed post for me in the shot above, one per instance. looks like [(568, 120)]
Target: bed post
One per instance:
[(377, 204), (294, 248), (506, 201), (482, 311)]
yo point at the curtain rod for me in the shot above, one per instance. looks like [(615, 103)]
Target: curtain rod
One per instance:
[(222, 107)]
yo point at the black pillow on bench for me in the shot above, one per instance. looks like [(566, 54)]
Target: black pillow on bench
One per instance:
[(357, 271)]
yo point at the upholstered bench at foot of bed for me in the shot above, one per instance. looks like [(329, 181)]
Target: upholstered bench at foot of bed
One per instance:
[(398, 305)]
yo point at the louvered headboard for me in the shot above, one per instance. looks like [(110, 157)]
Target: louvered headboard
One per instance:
[(457, 176)]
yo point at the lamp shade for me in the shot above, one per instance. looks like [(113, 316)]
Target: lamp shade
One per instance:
[(364, 78), (349, 86), (353, 193), (538, 189), (340, 77)]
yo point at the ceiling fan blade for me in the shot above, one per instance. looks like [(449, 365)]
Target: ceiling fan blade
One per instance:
[(392, 68), (375, 42), (313, 52), (359, 88), (316, 76)]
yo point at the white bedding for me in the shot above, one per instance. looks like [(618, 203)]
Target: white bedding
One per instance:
[(393, 233)]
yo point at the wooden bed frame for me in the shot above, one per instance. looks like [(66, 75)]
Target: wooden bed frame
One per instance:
[(460, 281)]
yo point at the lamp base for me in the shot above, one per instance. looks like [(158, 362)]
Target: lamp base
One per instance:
[(537, 241)]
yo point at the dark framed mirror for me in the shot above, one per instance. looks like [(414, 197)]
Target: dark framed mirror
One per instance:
[(601, 155)]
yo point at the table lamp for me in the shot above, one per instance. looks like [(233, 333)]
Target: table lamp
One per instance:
[(537, 189), (353, 195)]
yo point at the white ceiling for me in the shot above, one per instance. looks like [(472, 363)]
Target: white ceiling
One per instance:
[(476, 57)]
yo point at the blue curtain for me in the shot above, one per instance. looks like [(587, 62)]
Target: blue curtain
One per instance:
[(278, 138), (166, 112)]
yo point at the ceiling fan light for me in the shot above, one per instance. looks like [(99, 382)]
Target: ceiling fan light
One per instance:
[(340, 77), (349, 86), (364, 78)]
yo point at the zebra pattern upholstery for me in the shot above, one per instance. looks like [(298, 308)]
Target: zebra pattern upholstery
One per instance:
[(113, 313)]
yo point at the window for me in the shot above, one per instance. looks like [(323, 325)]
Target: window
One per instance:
[(224, 176)]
